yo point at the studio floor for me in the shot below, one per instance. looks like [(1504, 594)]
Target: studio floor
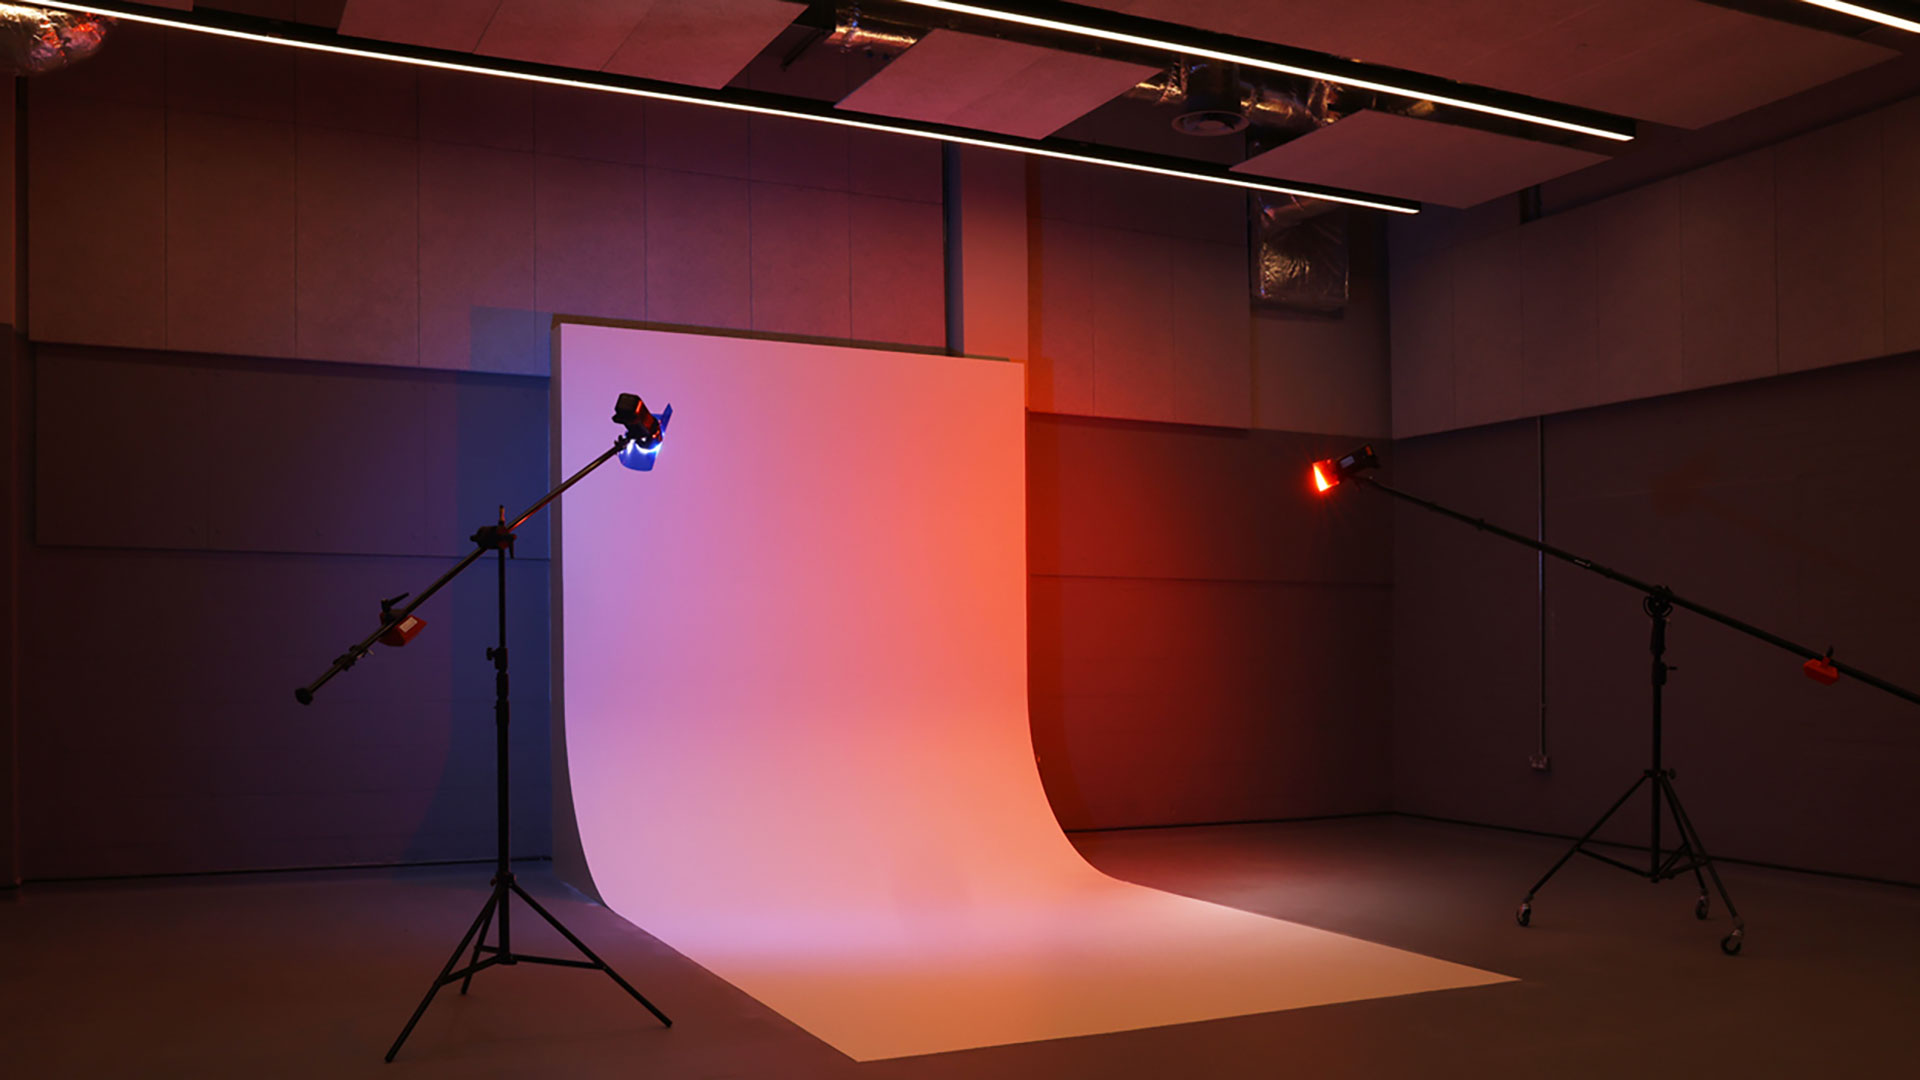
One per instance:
[(311, 974)]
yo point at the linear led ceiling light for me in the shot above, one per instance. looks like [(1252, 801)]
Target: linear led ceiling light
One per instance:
[(1899, 16), (321, 40), (1163, 37)]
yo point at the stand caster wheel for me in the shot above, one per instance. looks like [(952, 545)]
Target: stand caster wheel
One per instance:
[(1524, 916), (1731, 943), (1701, 908)]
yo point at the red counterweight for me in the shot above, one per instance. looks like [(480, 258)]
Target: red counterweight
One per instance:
[(403, 631)]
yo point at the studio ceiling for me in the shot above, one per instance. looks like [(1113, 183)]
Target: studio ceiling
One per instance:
[(1685, 63), (1682, 64)]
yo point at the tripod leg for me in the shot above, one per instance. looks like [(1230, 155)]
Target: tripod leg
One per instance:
[(1731, 943), (589, 953), (1688, 848), (1578, 844), (486, 923), (440, 980)]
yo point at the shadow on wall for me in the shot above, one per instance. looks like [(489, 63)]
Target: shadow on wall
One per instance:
[(498, 442)]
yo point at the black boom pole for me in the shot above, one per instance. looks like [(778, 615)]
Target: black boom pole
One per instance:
[(1637, 585), (391, 617), (1658, 602)]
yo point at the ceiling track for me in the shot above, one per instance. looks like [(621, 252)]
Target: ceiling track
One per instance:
[(1831, 18), (319, 39), (1153, 42)]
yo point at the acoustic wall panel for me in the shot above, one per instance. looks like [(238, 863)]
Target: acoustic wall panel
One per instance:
[(1902, 186), (357, 249), (1728, 326), (1830, 228), (230, 234), (795, 691), (802, 261), (476, 246), (82, 155)]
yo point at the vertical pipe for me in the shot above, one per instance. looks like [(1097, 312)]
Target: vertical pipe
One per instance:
[(500, 719), (1659, 647), (1540, 761), (953, 249)]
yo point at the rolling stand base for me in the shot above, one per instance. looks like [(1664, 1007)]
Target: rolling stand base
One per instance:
[(1691, 854)]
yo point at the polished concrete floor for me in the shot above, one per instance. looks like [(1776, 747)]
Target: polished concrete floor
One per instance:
[(311, 975)]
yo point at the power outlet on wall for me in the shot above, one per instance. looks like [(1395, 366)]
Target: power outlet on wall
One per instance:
[(1539, 762)]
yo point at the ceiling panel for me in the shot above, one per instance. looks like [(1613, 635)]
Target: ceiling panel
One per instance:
[(570, 33), (993, 85), (701, 42), (697, 42), (1417, 159), (435, 24), (1677, 62)]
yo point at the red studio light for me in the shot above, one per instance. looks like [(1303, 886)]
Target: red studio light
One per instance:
[(1329, 472)]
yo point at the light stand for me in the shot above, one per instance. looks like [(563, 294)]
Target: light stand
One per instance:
[(643, 435), (1658, 601)]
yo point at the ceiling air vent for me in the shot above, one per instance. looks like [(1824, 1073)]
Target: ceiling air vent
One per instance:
[(1215, 100)]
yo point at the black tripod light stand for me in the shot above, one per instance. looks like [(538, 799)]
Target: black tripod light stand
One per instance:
[(1689, 856), (635, 447)]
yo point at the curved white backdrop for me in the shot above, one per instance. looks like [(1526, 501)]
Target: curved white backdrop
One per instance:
[(792, 669)]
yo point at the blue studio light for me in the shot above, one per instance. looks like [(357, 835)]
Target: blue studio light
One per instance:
[(641, 458)]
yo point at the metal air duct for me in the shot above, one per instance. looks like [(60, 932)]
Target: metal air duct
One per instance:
[(36, 40)]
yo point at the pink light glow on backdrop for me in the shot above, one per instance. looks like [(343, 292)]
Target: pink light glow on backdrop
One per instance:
[(791, 666)]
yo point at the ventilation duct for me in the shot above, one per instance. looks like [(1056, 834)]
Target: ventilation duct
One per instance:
[(1167, 88), (36, 40), (1212, 99), (1299, 254), (1303, 108), (853, 32)]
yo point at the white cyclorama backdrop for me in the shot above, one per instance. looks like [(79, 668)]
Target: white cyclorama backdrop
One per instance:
[(791, 669)]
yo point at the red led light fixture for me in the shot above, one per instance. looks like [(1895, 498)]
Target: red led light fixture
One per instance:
[(1329, 472)]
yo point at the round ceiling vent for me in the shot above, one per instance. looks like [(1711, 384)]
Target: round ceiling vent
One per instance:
[(1210, 122)]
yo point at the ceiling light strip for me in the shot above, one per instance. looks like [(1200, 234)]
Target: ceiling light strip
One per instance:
[(1860, 11), (1188, 48), (641, 88)]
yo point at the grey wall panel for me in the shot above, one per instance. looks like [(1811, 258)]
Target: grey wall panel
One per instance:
[(230, 234), (1778, 501), (1787, 257), (280, 456), (161, 734), (1831, 227), (186, 578), (1208, 638), (1465, 628)]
